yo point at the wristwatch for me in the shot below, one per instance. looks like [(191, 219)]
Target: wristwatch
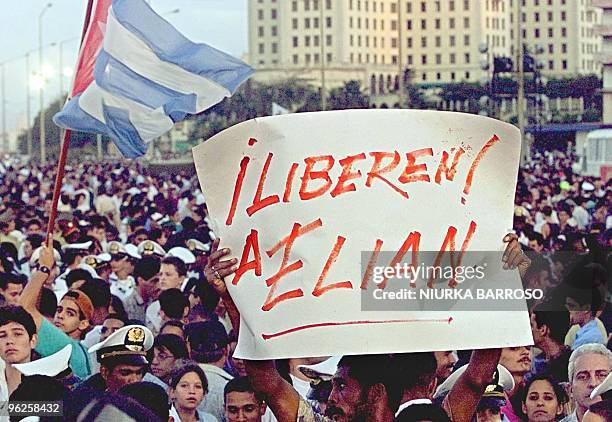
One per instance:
[(44, 269)]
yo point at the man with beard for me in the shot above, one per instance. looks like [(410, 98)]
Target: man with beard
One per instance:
[(589, 365)]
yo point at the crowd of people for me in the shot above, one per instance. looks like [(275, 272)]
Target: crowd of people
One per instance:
[(123, 314)]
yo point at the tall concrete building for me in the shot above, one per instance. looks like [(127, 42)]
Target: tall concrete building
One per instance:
[(440, 41)]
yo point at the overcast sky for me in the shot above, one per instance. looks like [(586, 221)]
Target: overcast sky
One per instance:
[(220, 23)]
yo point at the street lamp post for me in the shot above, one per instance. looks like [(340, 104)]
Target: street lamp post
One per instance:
[(321, 23), (43, 152)]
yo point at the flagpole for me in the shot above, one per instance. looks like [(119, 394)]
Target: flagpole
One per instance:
[(61, 165)]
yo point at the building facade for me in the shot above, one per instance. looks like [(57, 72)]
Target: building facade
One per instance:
[(440, 41)]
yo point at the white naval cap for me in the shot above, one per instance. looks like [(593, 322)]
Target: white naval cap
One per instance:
[(132, 251), (130, 344), (116, 248), (603, 388), (324, 370), (504, 380), (183, 254), (77, 246), (91, 270), (49, 366), (96, 261), (197, 247), (36, 255), (149, 247)]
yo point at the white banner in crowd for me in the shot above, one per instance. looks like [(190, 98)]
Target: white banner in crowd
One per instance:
[(298, 198)]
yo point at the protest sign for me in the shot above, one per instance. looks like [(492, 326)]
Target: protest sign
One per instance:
[(300, 198)]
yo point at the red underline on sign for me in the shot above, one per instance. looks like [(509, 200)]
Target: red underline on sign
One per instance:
[(335, 324)]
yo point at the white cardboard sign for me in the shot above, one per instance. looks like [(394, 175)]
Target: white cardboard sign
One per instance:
[(298, 198)]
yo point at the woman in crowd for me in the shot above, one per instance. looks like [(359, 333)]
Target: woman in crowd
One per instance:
[(543, 399), (188, 387)]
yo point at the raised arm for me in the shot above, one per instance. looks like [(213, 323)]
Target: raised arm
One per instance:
[(465, 395), (31, 293), (280, 396)]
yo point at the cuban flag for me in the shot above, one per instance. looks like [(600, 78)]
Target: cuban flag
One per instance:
[(137, 75)]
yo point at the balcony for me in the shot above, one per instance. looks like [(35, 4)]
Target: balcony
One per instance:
[(603, 4)]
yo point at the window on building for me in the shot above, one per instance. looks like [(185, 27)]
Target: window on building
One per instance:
[(261, 48), (409, 7), (564, 32), (329, 57), (423, 6), (551, 64), (394, 25), (423, 41), (328, 22), (451, 5), (307, 4), (438, 76), (466, 58), (307, 41), (550, 16), (294, 8), (563, 16), (536, 32), (466, 40), (273, 13), (409, 42), (466, 4), (409, 61), (424, 59), (393, 8), (274, 31), (260, 14), (328, 4), (437, 23), (315, 40), (393, 42), (551, 48), (423, 24), (438, 41), (328, 40), (274, 48), (307, 58), (295, 59), (260, 31), (408, 24), (452, 76), (467, 75), (564, 48), (307, 23), (550, 32), (294, 23), (451, 23), (438, 58), (296, 42), (564, 64), (315, 22), (451, 40), (466, 22), (452, 58), (351, 40)]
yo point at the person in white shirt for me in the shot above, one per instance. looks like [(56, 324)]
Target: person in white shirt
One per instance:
[(172, 274)]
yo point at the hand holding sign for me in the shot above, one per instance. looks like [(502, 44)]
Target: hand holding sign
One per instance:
[(299, 198)]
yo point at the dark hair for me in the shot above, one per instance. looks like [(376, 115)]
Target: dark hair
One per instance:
[(181, 371), (35, 240), (9, 249), (9, 278), (602, 408), (19, 315), (422, 412), (557, 388), (556, 318), (150, 395), (173, 323), (118, 307), (180, 266), (173, 343), (173, 302), (241, 385), (369, 370), (198, 313), (120, 402), (77, 275), (146, 268), (39, 388), (415, 369), (98, 291), (118, 317), (48, 302)]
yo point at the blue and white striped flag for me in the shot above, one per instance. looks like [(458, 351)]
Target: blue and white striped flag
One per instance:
[(147, 76)]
